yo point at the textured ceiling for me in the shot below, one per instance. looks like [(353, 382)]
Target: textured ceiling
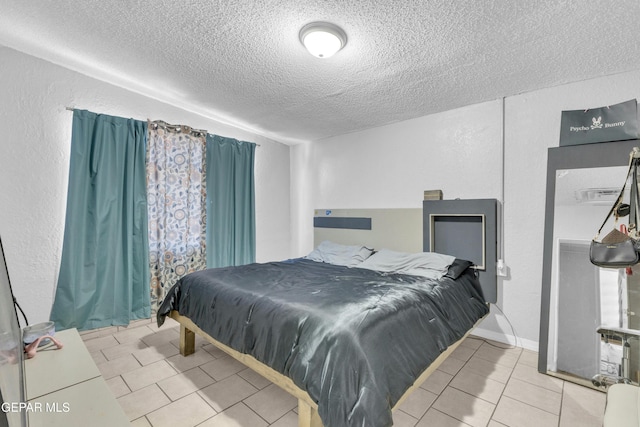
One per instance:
[(240, 61)]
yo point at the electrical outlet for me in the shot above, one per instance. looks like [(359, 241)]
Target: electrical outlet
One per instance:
[(501, 268)]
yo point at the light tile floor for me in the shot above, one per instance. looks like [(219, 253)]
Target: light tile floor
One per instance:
[(481, 384)]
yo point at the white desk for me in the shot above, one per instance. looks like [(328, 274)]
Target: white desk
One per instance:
[(65, 388)]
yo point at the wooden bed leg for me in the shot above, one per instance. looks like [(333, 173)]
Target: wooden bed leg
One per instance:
[(187, 341), (308, 416)]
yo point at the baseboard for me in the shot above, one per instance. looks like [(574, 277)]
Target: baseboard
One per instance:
[(506, 339)]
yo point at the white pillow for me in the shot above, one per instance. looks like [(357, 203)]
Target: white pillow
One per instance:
[(334, 253), (426, 264)]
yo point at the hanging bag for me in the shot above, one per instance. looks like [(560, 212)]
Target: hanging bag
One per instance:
[(617, 122), (618, 249)]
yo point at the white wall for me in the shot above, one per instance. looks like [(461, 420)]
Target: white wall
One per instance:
[(34, 165), (460, 152), (532, 126)]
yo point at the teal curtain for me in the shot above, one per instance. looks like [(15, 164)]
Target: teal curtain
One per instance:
[(104, 273), (231, 226)]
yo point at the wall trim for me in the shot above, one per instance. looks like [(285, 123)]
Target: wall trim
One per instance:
[(506, 339)]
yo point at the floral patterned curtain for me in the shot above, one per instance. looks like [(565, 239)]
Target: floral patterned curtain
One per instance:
[(176, 193)]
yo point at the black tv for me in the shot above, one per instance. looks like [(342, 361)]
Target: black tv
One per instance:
[(12, 379)]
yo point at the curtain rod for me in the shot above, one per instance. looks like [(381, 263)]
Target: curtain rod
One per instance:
[(73, 109)]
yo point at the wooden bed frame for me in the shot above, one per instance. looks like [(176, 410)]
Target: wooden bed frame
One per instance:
[(307, 408), (396, 229)]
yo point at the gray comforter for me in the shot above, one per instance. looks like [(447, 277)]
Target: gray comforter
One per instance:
[(354, 339)]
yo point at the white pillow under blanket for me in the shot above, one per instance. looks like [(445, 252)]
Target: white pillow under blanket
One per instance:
[(426, 264), (334, 253)]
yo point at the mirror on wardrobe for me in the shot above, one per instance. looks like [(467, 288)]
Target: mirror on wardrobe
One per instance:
[(588, 314)]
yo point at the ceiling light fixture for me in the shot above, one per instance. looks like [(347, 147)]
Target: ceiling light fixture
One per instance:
[(323, 39)]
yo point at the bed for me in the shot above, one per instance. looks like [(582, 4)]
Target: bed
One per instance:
[(349, 342)]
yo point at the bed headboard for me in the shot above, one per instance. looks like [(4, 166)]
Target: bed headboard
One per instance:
[(466, 229), (411, 230), (395, 229)]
